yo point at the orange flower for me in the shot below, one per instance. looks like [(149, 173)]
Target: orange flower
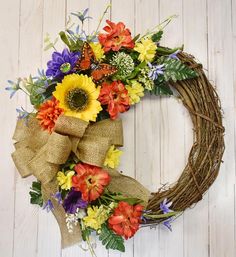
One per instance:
[(125, 219), (90, 181), (116, 37), (48, 113), (115, 96)]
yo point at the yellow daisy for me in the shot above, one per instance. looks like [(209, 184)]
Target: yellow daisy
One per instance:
[(96, 216), (77, 96), (146, 48), (65, 181), (97, 49), (135, 91), (113, 157)]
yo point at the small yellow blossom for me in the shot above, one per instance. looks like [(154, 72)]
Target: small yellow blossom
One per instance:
[(135, 91), (113, 157), (65, 180), (97, 49), (146, 48), (96, 216)]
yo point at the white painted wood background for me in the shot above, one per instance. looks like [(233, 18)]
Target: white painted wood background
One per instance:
[(158, 132)]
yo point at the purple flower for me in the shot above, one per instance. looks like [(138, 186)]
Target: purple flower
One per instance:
[(23, 115), (73, 201), (167, 223), (13, 87), (174, 55), (155, 71), (82, 16), (48, 206), (58, 197), (165, 207), (61, 63)]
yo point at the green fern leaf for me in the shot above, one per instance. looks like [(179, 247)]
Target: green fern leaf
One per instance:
[(176, 70), (110, 240)]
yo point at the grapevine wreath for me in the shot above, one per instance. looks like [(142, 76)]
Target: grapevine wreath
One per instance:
[(70, 141)]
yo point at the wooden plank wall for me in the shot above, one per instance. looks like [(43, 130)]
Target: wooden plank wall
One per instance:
[(158, 131)]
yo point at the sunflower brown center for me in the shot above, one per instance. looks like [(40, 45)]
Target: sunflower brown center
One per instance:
[(77, 99)]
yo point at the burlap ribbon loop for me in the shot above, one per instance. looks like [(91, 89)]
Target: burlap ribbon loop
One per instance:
[(40, 154), (58, 148)]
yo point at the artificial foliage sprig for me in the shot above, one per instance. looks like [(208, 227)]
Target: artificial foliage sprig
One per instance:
[(110, 240), (36, 194)]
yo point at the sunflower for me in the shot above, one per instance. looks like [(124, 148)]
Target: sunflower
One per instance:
[(77, 96)]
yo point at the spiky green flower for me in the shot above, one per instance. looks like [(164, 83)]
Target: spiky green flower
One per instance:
[(143, 78), (123, 62)]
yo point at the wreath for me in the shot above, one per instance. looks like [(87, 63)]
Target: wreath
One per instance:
[(70, 141)]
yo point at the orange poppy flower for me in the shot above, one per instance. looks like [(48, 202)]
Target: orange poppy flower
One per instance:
[(116, 37), (48, 113), (125, 219), (90, 181), (115, 96)]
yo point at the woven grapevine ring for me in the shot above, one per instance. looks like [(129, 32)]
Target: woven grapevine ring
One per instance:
[(202, 102)]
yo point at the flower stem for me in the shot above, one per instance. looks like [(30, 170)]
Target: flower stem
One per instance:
[(164, 51), (158, 27), (90, 247), (160, 216), (24, 91), (101, 19)]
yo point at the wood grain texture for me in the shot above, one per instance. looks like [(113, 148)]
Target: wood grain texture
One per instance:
[(195, 220), (158, 131)]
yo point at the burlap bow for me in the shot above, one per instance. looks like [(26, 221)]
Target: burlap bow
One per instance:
[(40, 154)]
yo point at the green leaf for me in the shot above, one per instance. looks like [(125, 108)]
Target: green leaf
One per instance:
[(102, 115), (175, 70), (157, 36), (161, 87), (72, 44), (35, 194), (110, 240), (136, 70), (49, 46), (86, 232), (166, 51), (49, 90), (129, 200), (64, 38), (136, 37), (36, 186)]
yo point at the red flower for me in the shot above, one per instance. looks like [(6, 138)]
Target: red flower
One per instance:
[(126, 219), (115, 96), (90, 181), (116, 37), (48, 113)]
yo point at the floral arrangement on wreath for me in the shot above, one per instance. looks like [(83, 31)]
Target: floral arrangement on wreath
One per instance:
[(70, 141)]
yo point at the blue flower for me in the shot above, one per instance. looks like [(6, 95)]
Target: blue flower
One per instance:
[(73, 201), (174, 55), (165, 207), (23, 114), (48, 206), (155, 71), (167, 223), (58, 197), (61, 63), (13, 87), (82, 16)]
